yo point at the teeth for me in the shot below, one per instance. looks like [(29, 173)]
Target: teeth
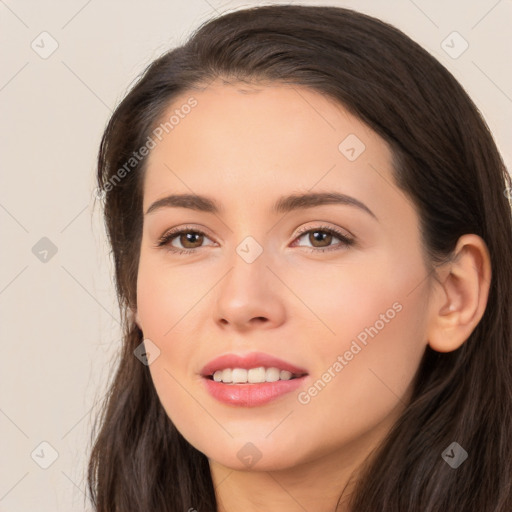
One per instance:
[(255, 375), (252, 376), (238, 375)]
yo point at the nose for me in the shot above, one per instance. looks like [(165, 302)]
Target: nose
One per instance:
[(250, 295)]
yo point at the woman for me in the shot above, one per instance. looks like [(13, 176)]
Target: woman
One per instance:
[(312, 245)]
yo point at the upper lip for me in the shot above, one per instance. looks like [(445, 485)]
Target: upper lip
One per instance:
[(247, 361)]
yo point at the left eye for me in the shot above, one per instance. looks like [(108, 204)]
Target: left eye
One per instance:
[(325, 235), (188, 239)]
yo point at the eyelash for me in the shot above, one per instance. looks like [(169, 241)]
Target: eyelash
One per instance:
[(165, 239)]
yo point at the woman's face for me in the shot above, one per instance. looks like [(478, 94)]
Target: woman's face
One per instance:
[(274, 281)]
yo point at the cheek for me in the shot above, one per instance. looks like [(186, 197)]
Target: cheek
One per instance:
[(343, 299), (165, 307), (163, 300), (165, 296), (367, 363)]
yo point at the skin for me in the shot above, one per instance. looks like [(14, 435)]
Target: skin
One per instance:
[(245, 146)]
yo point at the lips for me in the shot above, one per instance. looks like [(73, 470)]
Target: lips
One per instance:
[(248, 361)]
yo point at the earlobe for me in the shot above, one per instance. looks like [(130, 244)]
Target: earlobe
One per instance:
[(462, 294), (135, 317)]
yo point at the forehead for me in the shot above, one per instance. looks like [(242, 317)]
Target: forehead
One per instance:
[(257, 140)]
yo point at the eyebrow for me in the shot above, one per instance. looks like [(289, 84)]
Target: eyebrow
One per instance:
[(282, 205)]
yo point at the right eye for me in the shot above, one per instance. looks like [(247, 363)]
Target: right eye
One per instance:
[(185, 236)]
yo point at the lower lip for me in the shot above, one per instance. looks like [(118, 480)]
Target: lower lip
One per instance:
[(251, 395)]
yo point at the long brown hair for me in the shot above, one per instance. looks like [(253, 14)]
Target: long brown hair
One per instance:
[(445, 160)]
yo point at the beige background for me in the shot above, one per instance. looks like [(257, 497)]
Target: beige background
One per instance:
[(59, 318)]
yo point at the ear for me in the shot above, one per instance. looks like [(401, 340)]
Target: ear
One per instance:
[(135, 316), (459, 302)]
